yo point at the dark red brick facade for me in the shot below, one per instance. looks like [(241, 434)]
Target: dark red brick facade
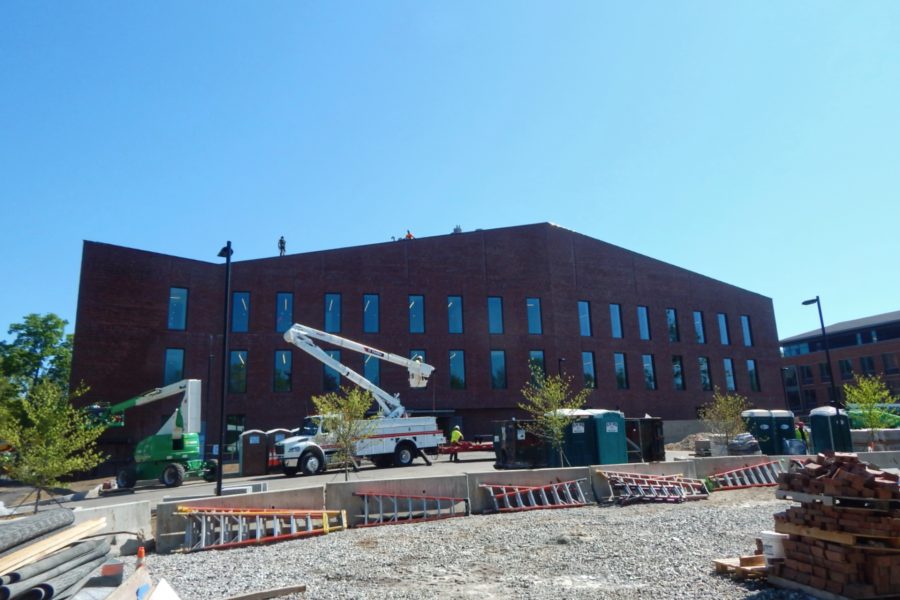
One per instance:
[(121, 331)]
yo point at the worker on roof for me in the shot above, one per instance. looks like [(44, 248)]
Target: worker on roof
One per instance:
[(456, 437), (281, 246), (409, 236)]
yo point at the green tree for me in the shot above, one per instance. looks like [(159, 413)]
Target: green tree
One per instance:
[(40, 351), (865, 399), (50, 438), (549, 401), (722, 415), (344, 419)]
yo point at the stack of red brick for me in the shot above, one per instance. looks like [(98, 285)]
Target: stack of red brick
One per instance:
[(853, 552)]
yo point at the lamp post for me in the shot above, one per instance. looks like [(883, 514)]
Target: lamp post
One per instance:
[(835, 401), (225, 253)]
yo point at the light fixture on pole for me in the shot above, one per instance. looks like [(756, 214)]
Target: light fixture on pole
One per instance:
[(225, 253), (835, 400)]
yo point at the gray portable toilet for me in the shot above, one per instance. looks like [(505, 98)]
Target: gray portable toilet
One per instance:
[(761, 424)]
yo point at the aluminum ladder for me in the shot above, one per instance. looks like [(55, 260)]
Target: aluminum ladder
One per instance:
[(626, 488), (216, 528), (761, 475), (388, 509), (509, 498)]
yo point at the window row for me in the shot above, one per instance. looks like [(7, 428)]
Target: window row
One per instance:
[(804, 374)]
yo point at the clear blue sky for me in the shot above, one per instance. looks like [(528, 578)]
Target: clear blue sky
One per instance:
[(756, 142)]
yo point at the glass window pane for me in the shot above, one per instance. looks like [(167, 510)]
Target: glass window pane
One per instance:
[(615, 320), (867, 365), (533, 306), (371, 306), (174, 370), (240, 312), (237, 372), (705, 376), (284, 311), (454, 314), (729, 374), (825, 372), (234, 427), (584, 318), (753, 374), (588, 370), (846, 368), (643, 322), (536, 364), (649, 372), (890, 363), (745, 326), (723, 329), (457, 370), (672, 324), (420, 354), (699, 331), (178, 298), (372, 369), (678, 373), (416, 314), (621, 371), (498, 370), (333, 313), (282, 381), (495, 314), (331, 379)]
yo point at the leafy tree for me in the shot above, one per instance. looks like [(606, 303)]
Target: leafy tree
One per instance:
[(549, 400), (344, 418), (722, 415), (50, 438), (863, 398), (40, 351)]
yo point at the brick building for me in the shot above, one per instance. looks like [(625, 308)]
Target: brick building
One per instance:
[(646, 336), (869, 346)]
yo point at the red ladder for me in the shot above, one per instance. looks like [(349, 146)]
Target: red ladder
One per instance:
[(627, 488)]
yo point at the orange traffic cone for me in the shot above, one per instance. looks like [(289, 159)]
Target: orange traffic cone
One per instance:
[(273, 460), (140, 557)]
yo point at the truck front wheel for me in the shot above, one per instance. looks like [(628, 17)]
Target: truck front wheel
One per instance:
[(404, 455), (310, 463)]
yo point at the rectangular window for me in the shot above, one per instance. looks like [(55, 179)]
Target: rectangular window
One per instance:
[(809, 399), (846, 368), (416, 314), (237, 372), (621, 370), (178, 299), (615, 320), (420, 354), (745, 327), (643, 322), (533, 308), (649, 372), (457, 370), (174, 370), (724, 338), (372, 369), (498, 370), (234, 427), (240, 312), (284, 311), (825, 372), (890, 363), (728, 364), (282, 377), (705, 376), (753, 375), (536, 364), (867, 365), (371, 308), (454, 314), (791, 379), (678, 373), (584, 318), (495, 315), (333, 313), (587, 368), (699, 331), (806, 374), (331, 379), (672, 324)]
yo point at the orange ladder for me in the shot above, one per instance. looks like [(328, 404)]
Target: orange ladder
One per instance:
[(638, 487), (761, 475), (388, 509), (509, 498)]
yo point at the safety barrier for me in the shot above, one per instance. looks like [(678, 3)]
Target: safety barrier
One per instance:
[(390, 509)]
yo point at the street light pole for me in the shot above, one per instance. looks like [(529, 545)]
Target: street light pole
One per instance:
[(835, 401), (226, 254)]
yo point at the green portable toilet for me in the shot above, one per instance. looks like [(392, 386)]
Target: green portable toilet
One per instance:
[(610, 431), (830, 430), (761, 424), (783, 422), (579, 444)]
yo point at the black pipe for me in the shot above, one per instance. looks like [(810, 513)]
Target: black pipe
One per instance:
[(54, 587), (95, 551), (34, 526), (57, 558)]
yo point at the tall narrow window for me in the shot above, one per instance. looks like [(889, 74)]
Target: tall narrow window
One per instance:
[(723, 329), (371, 307), (745, 327), (621, 371), (536, 364), (282, 377), (420, 354), (495, 314), (174, 365), (846, 368), (240, 312), (457, 370), (649, 371), (234, 427), (615, 320), (454, 314), (678, 373), (672, 324), (498, 370), (806, 374), (643, 322), (284, 311), (333, 313), (705, 375), (533, 308), (178, 299), (890, 363), (237, 372), (416, 314), (728, 364), (372, 369), (699, 331), (588, 370), (753, 375), (867, 365), (331, 379), (584, 318), (825, 372)]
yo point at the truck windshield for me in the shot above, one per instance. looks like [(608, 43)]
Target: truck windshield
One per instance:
[(310, 427)]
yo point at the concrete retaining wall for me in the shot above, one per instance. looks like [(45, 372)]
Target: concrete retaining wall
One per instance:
[(600, 485), (480, 499), (341, 496), (133, 517), (885, 439)]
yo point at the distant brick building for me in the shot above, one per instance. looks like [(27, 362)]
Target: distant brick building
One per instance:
[(646, 336), (869, 346)]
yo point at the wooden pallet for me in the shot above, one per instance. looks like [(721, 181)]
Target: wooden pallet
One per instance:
[(744, 567)]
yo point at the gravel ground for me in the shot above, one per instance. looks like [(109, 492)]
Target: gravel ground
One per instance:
[(639, 551)]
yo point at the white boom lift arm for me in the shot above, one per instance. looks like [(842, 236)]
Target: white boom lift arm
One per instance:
[(419, 372)]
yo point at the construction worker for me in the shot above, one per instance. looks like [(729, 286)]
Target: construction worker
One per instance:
[(456, 437), (281, 246), (801, 432), (409, 236)]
